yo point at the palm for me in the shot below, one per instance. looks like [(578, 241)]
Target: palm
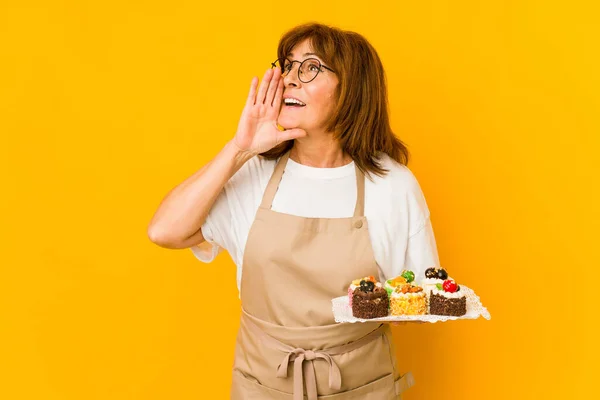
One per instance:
[(257, 129)]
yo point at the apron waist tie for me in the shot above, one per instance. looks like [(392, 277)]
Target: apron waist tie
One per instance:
[(305, 372), (303, 360)]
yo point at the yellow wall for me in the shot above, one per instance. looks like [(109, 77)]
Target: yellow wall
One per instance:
[(105, 106)]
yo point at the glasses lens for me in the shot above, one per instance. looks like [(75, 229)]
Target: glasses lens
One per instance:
[(283, 64), (309, 69)]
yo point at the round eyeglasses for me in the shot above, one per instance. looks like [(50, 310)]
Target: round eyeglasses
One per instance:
[(308, 70)]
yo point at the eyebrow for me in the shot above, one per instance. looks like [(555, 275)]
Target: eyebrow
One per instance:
[(304, 55)]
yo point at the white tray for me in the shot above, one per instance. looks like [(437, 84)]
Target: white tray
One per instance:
[(343, 312)]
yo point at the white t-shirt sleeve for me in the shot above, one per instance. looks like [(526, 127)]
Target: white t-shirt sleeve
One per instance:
[(418, 211), (421, 250), (229, 220), (214, 229), (412, 223)]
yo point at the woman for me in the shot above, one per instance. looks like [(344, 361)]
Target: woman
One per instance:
[(303, 212)]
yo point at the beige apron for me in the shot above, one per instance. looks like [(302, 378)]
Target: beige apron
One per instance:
[(289, 345)]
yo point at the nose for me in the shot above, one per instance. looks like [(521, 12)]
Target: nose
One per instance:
[(291, 78)]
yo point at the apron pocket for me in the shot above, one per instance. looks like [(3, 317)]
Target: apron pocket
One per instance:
[(379, 389), (246, 388)]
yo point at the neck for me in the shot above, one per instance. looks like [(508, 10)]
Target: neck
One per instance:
[(323, 153)]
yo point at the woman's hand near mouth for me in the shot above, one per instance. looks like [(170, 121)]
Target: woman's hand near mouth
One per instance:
[(257, 129)]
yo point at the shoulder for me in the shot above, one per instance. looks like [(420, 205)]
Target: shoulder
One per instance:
[(255, 173), (398, 193), (399, 178)]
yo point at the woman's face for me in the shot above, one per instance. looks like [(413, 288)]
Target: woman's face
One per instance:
[(318, 94)]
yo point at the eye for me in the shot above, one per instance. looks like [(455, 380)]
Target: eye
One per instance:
[(313, 66)]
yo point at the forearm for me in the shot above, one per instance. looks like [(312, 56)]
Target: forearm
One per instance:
[(184, 209)]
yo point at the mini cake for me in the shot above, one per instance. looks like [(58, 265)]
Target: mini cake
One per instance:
[(402, 279), (447, 299), (408, 299), (433, 276), (356, 283), (370, 301)]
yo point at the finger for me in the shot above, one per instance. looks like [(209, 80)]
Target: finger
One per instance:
[(273, 85), (264, 85), (278, 96), (291, 134), (252, 92)]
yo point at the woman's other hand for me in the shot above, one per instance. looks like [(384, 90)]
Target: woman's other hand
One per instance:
[(406, 322)]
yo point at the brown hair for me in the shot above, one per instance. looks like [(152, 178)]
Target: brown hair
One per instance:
[(360, 119)]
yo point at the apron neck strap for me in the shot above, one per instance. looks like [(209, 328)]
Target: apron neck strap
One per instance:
[(359, 209), (273, 185)]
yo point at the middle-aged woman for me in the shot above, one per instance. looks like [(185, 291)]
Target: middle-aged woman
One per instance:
[(304, 211)]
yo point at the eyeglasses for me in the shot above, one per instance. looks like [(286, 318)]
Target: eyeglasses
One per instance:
[(308, 70)]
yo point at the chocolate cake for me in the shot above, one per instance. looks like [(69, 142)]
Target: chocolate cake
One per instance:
[(356, 283), (370, 301), (447, 299), (441, 305)]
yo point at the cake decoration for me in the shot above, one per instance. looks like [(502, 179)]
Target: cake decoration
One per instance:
[(405, 277), (356, 283), (433, 276), (447, 299), (448, 286), (408, 299), (369, 300), (408, 275)]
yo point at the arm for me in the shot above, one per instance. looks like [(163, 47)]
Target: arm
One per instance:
[(176, 224)]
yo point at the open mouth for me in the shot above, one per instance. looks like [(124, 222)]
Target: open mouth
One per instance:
[(293, 103)]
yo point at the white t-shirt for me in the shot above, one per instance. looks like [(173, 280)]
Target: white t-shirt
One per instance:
[(399, 224)]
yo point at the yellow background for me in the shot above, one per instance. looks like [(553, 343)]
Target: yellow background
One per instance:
[(105, 106)]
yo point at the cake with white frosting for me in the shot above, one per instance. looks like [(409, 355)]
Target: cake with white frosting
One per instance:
[(408, 299), (433, 276), (447, 299)]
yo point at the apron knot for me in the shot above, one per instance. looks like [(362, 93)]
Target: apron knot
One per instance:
[(303, 360), (304, 372)]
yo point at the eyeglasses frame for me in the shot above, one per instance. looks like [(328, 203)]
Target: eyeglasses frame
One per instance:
[(301, 62)]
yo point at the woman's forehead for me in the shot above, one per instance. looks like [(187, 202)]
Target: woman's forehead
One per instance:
[(305, 55), (302, 50)]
